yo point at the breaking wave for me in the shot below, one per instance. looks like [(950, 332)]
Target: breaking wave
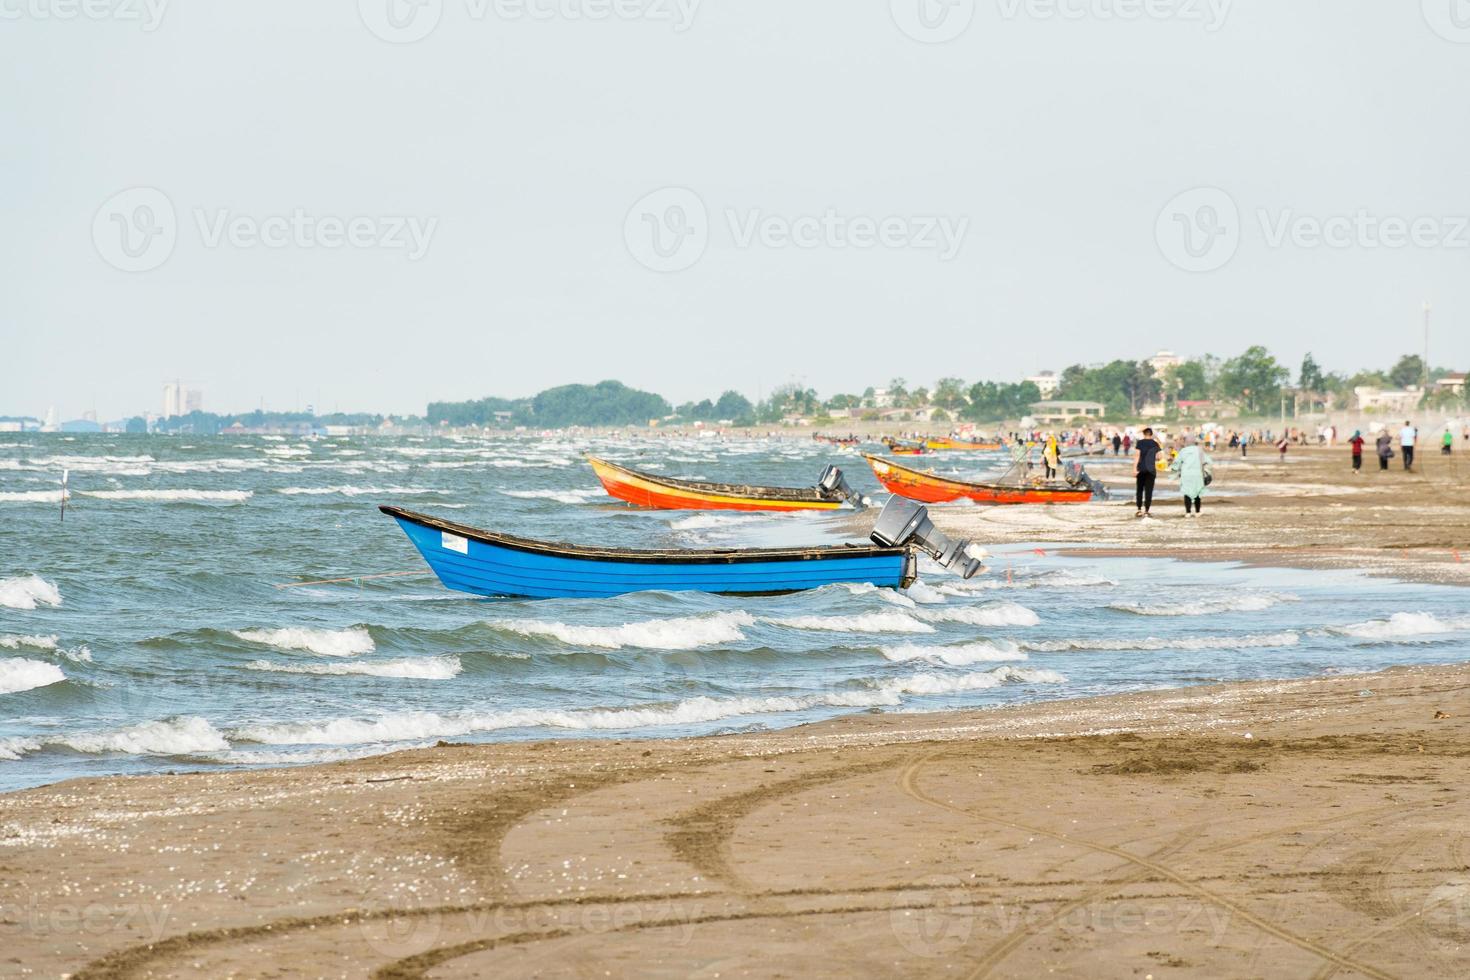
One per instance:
[(185, 496), (27, 592), (1403, 626), (1246, 642), (425, 725), (170, 736), (682, 633), (23, 675), (415, 668), (883, 622), (560, 496), (998, 614), (15, 642), (955, 656), (322, 642), (1207, 607)]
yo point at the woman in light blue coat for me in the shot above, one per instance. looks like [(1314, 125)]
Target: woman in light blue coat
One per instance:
[(1193, 467)]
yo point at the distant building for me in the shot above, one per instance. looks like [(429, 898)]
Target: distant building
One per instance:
[(1205, 409), (1453, 383), (1063, 412), (1370, 399), (181, 400), (1046, 382), (81, 425), (1163, 361)]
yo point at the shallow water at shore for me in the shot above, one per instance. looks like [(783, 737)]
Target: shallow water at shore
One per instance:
[(146, 631)]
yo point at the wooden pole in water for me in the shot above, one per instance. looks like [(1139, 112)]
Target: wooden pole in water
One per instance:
[(65, 474)]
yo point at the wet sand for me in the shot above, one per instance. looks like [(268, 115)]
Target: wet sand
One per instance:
[(1309, 511), (1306, 828), (1311, 828)]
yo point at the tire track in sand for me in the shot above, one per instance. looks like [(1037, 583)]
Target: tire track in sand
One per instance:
[(908, 783)]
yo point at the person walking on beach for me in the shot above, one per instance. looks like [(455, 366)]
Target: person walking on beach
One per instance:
[(1357, 443), (1448, 445), (1282, 445), (1408, 436), (1193, 467), (1146, 472), (1385, 449), (1050, 456), (1117, 444), (1245, 441)]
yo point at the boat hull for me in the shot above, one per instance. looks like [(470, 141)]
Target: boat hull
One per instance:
[(484, 563), (930, 489), (952, 445), (645, 490)]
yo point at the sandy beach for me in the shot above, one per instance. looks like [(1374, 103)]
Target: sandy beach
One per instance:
[(1306, 828), (1313, 827), (1307, 511)]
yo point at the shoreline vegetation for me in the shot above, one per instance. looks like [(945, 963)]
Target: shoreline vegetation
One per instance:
[(1248, 388)]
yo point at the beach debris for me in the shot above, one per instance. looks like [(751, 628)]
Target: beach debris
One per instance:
[(1365, 693), (1441, 714)]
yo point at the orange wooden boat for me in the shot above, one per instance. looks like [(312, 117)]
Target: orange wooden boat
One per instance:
[(932, 489), (960, 444), (667, 493)]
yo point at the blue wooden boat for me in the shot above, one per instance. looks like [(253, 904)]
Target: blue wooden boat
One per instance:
[(487, 563)]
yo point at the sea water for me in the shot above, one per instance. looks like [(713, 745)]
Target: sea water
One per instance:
[(148, 632)]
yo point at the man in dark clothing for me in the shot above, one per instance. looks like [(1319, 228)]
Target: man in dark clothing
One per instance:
[(1117, 444), (1146, 471)]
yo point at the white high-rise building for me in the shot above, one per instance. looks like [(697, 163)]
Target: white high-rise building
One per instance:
[(181, 400)]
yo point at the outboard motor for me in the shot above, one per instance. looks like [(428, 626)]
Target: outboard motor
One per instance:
[(832, 481), (903, 522)]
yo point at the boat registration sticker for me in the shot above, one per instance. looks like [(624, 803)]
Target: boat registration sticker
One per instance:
[(454, 542)]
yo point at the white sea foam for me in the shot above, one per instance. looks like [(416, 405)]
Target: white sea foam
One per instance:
[(13, 641), (925, 593), (681, 633), (1147, 643), (1404, 626), (417, 668), (323, 642), (19, 674), (352, 491), (169, 736), (30, 496), (27, 592), (704, 522), (888, 595), (1059, 579), (1255, 602), (185, 496), (930, 684), (955, 656), (559, 496), (426, 725), (881, 622), (995, 614)]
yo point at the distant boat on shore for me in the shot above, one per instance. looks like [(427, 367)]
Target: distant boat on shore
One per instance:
[(930, 488), (667, 493)]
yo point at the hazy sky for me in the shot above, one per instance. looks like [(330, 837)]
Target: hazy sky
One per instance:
[(371, 205)]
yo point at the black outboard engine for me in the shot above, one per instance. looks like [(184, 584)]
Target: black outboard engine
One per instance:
[(832, 481), (1076, 475), (902, 522)]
